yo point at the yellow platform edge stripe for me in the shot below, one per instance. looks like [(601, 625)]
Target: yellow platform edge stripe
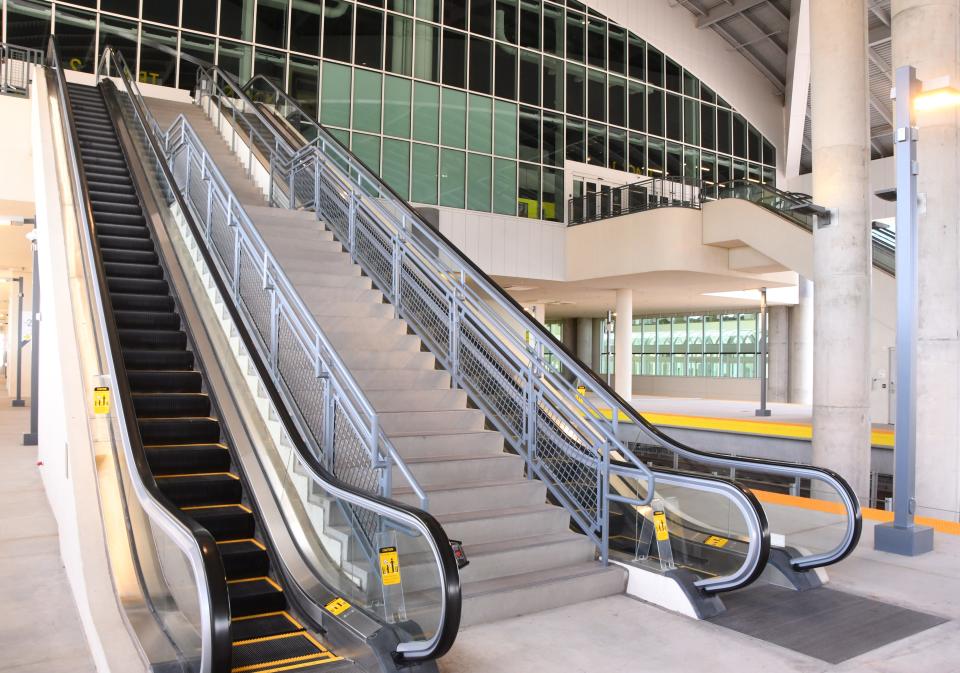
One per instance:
[(882, 516), (878, 437)]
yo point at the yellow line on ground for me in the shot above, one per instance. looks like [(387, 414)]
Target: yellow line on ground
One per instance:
[(313, 662)]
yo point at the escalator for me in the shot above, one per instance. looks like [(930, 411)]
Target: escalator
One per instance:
[(249, 582)]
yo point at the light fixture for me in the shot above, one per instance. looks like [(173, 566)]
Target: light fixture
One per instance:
[(937, 99)]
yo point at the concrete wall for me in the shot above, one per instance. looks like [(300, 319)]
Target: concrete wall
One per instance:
[(882, 176), (16, 178), (696, 386)]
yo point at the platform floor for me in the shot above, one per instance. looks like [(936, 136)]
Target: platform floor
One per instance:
[(621, 634), (40, 629)]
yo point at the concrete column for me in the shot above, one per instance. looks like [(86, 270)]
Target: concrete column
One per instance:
[(926, 35), (585, 341), (778, 354), (801, 346), (841, 250), (597, 331), (623, 345)]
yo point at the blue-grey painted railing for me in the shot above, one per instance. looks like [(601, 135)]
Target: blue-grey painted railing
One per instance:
[(16, 65)]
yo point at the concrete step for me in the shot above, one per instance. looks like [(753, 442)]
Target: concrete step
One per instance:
[(307, 279), (485, 442), (362, 359), (321, 261), (460, 471), (367, 340), (407, 422), (509, 523), (283, 216), (477, 495), (379, 326), (401, 379), (415, 400), (348, 309), (284, 243), (316, 296), (526, 593)]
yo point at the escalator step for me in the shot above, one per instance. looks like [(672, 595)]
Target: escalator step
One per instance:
[(193, 458), (263, 626), (225, 522), (117, 209), (138, 339), (171, 405), (298, 648), (141, 302), (201, 489), (126, 270), (165, 381), (243, 559), (170, 431), (107, 172), (98, 196), (132, 257), (129, 230), (111, 186), (155, 320), (157, 359), (138, 285), (255, 596), (124, 243)]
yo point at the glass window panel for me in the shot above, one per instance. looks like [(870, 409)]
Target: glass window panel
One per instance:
[(597, 43), (617, 49), (428, 9), (728, 332), (529, 78), (576, 26), (695, 365), (367, 149), (617, 144), (552, 83), (396, 107), (271, 22), (748, 332), (708, 126), (305, 26), (126, 7), (235, 58), (479, 168), (201, 47), (691, 85), (655, 105), (505, 130), (724, 169), (753, 173), (481, 17), (769, 177), (576, 90), (453, 178), (674, 117), (399, 51), (76, 32), (424, 173), (617, 100), (673, 76), (695, 334), (453, 118), (728, 365), (755, 147), (596, 95), (739, 170), (426, 52), (707, 94), (530, 23), (674, 159), (272, 65), (505, 77), (663, 365), (637, 154), (304, 82), (597, 145), (337, 29), (335, 95), (739, 136), (708, 168), (367, 87), (691, 121), (455, 14), (481, 65), (163, 11), (552, 30), (528, 191), (403, 6), (377, 3), (236, 18), (504, 187), (664, 335), (655, 158), (480, 127), (123, 35), (506, 21), (637, 56), (576, 140), (637, 107), (426, 113), (454, 58), (369, 41), (529, 128), (553, 194), (679, 334), (724, 138), (654, 66), (691, 163), (396, 166), (711, 334), (202, 15), (678, 365), (747, 367), (769, 153), (342, 135), (552, 139)]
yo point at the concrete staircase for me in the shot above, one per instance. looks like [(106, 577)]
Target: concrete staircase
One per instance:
[(524, 557)]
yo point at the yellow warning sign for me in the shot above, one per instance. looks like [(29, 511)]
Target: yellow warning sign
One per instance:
[(660, 526), (389, 566), (337, 606), (582, 390), (716, 541), (101, 400)]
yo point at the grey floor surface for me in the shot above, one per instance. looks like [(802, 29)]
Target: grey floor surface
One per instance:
[(40, 629)]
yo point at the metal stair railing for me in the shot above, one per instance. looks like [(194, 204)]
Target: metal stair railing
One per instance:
[(16, 64)]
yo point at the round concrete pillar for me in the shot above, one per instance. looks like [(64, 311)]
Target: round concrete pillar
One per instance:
[(623, 345)]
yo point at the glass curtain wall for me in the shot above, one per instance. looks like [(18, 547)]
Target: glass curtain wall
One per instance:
[(463, 103)]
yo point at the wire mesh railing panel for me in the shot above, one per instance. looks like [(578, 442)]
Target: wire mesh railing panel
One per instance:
[(298, 371), (254, 297), (422, 304), (372, 251), (334, 208), (222, 235), (572, 464)]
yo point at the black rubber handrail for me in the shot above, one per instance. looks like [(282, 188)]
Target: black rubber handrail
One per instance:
[(217, 593), (449, 569)]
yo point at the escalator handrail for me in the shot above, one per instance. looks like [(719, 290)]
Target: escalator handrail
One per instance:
[(196, 543), (416, 518), (607, 395)]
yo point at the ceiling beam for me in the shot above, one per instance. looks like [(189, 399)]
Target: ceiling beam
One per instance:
[(767, 35), (725, 11), (749, 55)]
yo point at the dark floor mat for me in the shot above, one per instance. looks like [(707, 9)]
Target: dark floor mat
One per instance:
[(830, 625)]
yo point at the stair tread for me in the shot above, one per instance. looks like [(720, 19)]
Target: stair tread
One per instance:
[(479, 515), (538, 577)]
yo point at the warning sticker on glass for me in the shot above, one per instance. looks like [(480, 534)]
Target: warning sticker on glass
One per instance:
[(389, 566), (337, 606), (660, 526), (716, 541), (101, 400)]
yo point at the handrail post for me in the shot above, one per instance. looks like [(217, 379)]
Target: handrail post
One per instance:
[(604, 510)]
